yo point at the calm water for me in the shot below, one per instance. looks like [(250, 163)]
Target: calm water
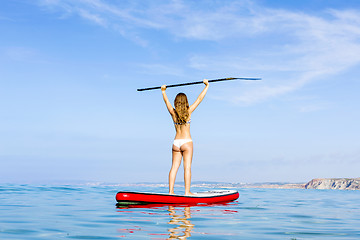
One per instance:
[(89, 212)]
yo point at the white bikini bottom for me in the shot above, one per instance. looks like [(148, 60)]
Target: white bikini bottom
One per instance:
[(179, 142)]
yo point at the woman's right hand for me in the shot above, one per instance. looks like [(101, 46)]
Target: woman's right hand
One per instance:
[(206, 82), (163, 87)]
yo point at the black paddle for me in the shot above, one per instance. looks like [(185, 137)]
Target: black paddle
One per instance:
[(199, 82)]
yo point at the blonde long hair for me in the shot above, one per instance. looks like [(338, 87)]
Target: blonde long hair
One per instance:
[(181, 108)]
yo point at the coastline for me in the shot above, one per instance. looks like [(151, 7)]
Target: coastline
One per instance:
[(317, 183)]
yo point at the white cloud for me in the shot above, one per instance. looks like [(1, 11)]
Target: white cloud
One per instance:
[(317, 48), (293, 48), (122, 19), (93, 17)]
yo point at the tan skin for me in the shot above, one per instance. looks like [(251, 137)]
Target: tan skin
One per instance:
[(185, 152)]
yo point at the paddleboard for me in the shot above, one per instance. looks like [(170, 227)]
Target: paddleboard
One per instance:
[(213, 196)]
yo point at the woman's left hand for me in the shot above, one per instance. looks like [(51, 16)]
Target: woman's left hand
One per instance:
[(163, 87)]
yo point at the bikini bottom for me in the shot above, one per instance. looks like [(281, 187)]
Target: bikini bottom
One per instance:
[(179, 142)]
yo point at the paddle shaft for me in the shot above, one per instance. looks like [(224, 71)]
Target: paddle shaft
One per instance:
[(199, 82)]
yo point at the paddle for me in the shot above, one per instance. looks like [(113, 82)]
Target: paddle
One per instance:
[(199, 82)]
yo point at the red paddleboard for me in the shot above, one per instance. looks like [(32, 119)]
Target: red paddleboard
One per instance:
[(214, 196)]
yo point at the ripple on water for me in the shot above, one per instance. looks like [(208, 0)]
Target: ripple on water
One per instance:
[(90, 237), (82, 212), (18, 231)]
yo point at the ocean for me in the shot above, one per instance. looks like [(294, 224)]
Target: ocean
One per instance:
[(90, 212)]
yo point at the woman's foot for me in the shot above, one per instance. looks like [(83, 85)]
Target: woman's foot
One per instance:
[(190, 194)]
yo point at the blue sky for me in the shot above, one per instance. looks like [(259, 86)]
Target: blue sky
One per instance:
[(69, 70)]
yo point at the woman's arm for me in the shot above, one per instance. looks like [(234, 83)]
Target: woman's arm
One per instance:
[(166, 100), (200, 97)]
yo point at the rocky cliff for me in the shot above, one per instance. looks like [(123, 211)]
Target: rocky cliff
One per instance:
[(334, 183)]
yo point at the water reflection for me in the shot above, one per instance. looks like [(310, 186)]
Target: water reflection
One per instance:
[(181, 219), (172, 221)]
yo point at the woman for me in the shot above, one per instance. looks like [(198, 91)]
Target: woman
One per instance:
[(183, 145)]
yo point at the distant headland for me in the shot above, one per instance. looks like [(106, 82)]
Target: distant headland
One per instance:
[(318, 183), (334, 183)]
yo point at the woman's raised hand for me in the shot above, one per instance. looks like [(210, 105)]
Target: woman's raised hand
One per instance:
[(206, 82), (163, 87)]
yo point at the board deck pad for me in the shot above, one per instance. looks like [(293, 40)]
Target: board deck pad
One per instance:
[(208, 197)]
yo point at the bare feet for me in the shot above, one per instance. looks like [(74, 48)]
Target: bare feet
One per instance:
[(190, 194), (171, 193)]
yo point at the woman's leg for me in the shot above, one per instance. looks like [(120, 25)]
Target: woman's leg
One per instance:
[(176, 161), (187, 152)]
